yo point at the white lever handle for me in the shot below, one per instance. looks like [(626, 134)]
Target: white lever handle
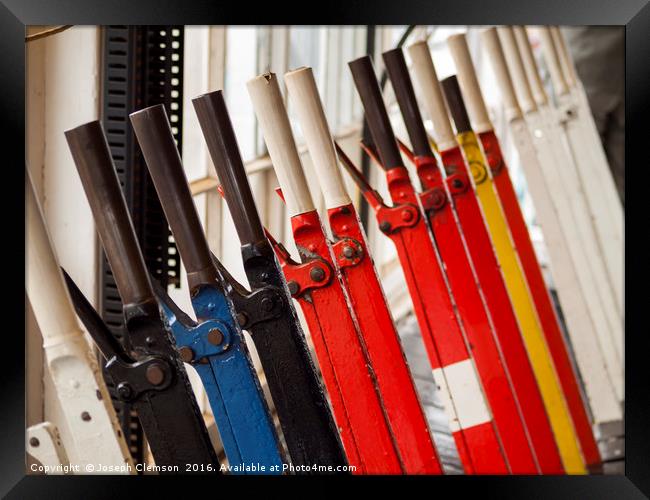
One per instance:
[(272, 116), (303, 93), (566, 63), (492, 45), (552, 61), (516, 68), (46, 289), (530, 66), (468, 82), (434, 101)]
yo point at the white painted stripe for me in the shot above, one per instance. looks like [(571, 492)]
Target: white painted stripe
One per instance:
[(462, 395)]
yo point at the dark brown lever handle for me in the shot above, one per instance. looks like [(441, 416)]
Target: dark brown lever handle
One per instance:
[(408, 105), (92, 157), (365, 80), (222, 144), (456, 104), (156, 141)]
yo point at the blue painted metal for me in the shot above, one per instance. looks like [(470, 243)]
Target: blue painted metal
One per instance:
[(240, 410)]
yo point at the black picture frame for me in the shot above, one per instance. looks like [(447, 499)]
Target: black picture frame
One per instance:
[(633, 14)]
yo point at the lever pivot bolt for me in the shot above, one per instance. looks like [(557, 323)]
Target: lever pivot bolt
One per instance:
[(186, 353), (294, 288), (317, 274), (215, 337), (155, 374)]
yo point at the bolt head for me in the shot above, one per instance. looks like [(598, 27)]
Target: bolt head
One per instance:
[(317, 274), (348, 252), (407, 215), (155, 374), (34, 442), (150, 341), (294, 288), (457, 183), (85, 416), (124, 390), (385, 226), (215, 336), (186, 354)]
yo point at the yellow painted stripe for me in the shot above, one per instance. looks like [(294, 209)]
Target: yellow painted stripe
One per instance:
[(538, 353)]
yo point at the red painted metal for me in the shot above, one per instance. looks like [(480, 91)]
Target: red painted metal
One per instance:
[(346, 370), (488, 272), (541, 297), (438, 206), (398, 393), (478, 445)]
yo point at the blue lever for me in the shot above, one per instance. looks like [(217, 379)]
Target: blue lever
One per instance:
[(217, 350)]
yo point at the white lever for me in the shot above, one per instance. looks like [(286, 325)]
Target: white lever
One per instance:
[(468, 82), (516, 69), (85, 401), (566, 63), (434, 101), (552, 61), (490, 39), (530, 66), (272, 116), (303, 93)]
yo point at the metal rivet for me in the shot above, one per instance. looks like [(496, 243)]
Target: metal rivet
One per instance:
[(150, 341), (155, 374), (457, 183), (317, 274), (85, 416), (186, 354), (124, 390), (242, 319), (294, 287), (34, 442), (407, 216), (385, 226), (215, 337), (348, 252), (312, 248)]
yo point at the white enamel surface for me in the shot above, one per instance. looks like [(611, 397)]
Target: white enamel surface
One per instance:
[(462, 395), (272, 116), (594, 177), (429, 86), (304, 97), (468, 82), (564, 183)]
